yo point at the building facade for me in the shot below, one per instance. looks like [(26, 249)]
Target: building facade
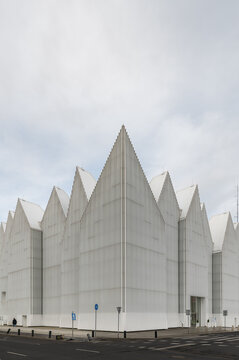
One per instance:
[(120, 241)]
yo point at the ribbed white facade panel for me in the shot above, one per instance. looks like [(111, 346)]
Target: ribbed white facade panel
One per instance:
[(53, 224), (165, 196), (208, 237), (24, 270), (19, 267), (225, 272), (70, 246), (193, 259), (145, 251), (100, 276)]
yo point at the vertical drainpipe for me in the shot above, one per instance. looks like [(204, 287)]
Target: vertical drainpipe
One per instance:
[(31, 272), (179, 272), (123, 222), (41, 273), (220, 258), (182, 266), (185, 262)]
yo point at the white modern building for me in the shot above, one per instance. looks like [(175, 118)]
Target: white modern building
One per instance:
[(225, 263), (120, 241)]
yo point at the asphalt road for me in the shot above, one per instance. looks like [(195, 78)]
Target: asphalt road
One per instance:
[(213, 346)]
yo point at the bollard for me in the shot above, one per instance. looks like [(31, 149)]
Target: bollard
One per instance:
[(32, 332), (156, 334), (49, 334), (18, 332), (124, 334), (8, 331), (93, 333)]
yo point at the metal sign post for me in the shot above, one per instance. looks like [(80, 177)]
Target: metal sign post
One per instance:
[(96, 308), (73, 318), (119, 310), (188, 313), (225, 313)]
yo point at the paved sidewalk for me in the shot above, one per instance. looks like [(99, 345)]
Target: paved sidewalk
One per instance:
[(43, 331)]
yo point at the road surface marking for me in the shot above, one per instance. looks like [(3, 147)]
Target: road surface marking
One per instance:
[(93, 351), (237, 339), (13, 353), (172, 347)]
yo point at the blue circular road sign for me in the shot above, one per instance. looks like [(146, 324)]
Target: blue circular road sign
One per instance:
[(96, 307)]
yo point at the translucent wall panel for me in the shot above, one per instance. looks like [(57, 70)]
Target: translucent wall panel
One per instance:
[(53, 224)]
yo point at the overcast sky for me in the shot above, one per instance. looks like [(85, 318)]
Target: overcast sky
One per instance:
[(73, 71)]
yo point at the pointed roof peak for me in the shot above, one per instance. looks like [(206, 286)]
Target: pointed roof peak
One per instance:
[(163, 174), (157, 184), (87, 180), (3, 226), (218, 225), (185, 197), (33, 212), (187, 188), (236, 226), (224, 214), (10, 216), (63, 199), (122, 131)]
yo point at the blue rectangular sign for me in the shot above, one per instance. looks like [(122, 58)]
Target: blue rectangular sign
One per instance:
[(73, 316)]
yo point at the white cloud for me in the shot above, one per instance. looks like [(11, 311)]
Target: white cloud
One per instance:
[(73, 71)]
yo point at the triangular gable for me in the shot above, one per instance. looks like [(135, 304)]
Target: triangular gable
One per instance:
[(122, 211), (164, 194), (157, 184), (231, 237), (33, 213), (63, 199), (88, 182), (236, 227), (82, 188), (117, 172), (3, 226), (218, 226), (9, 223), (185, 197)]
